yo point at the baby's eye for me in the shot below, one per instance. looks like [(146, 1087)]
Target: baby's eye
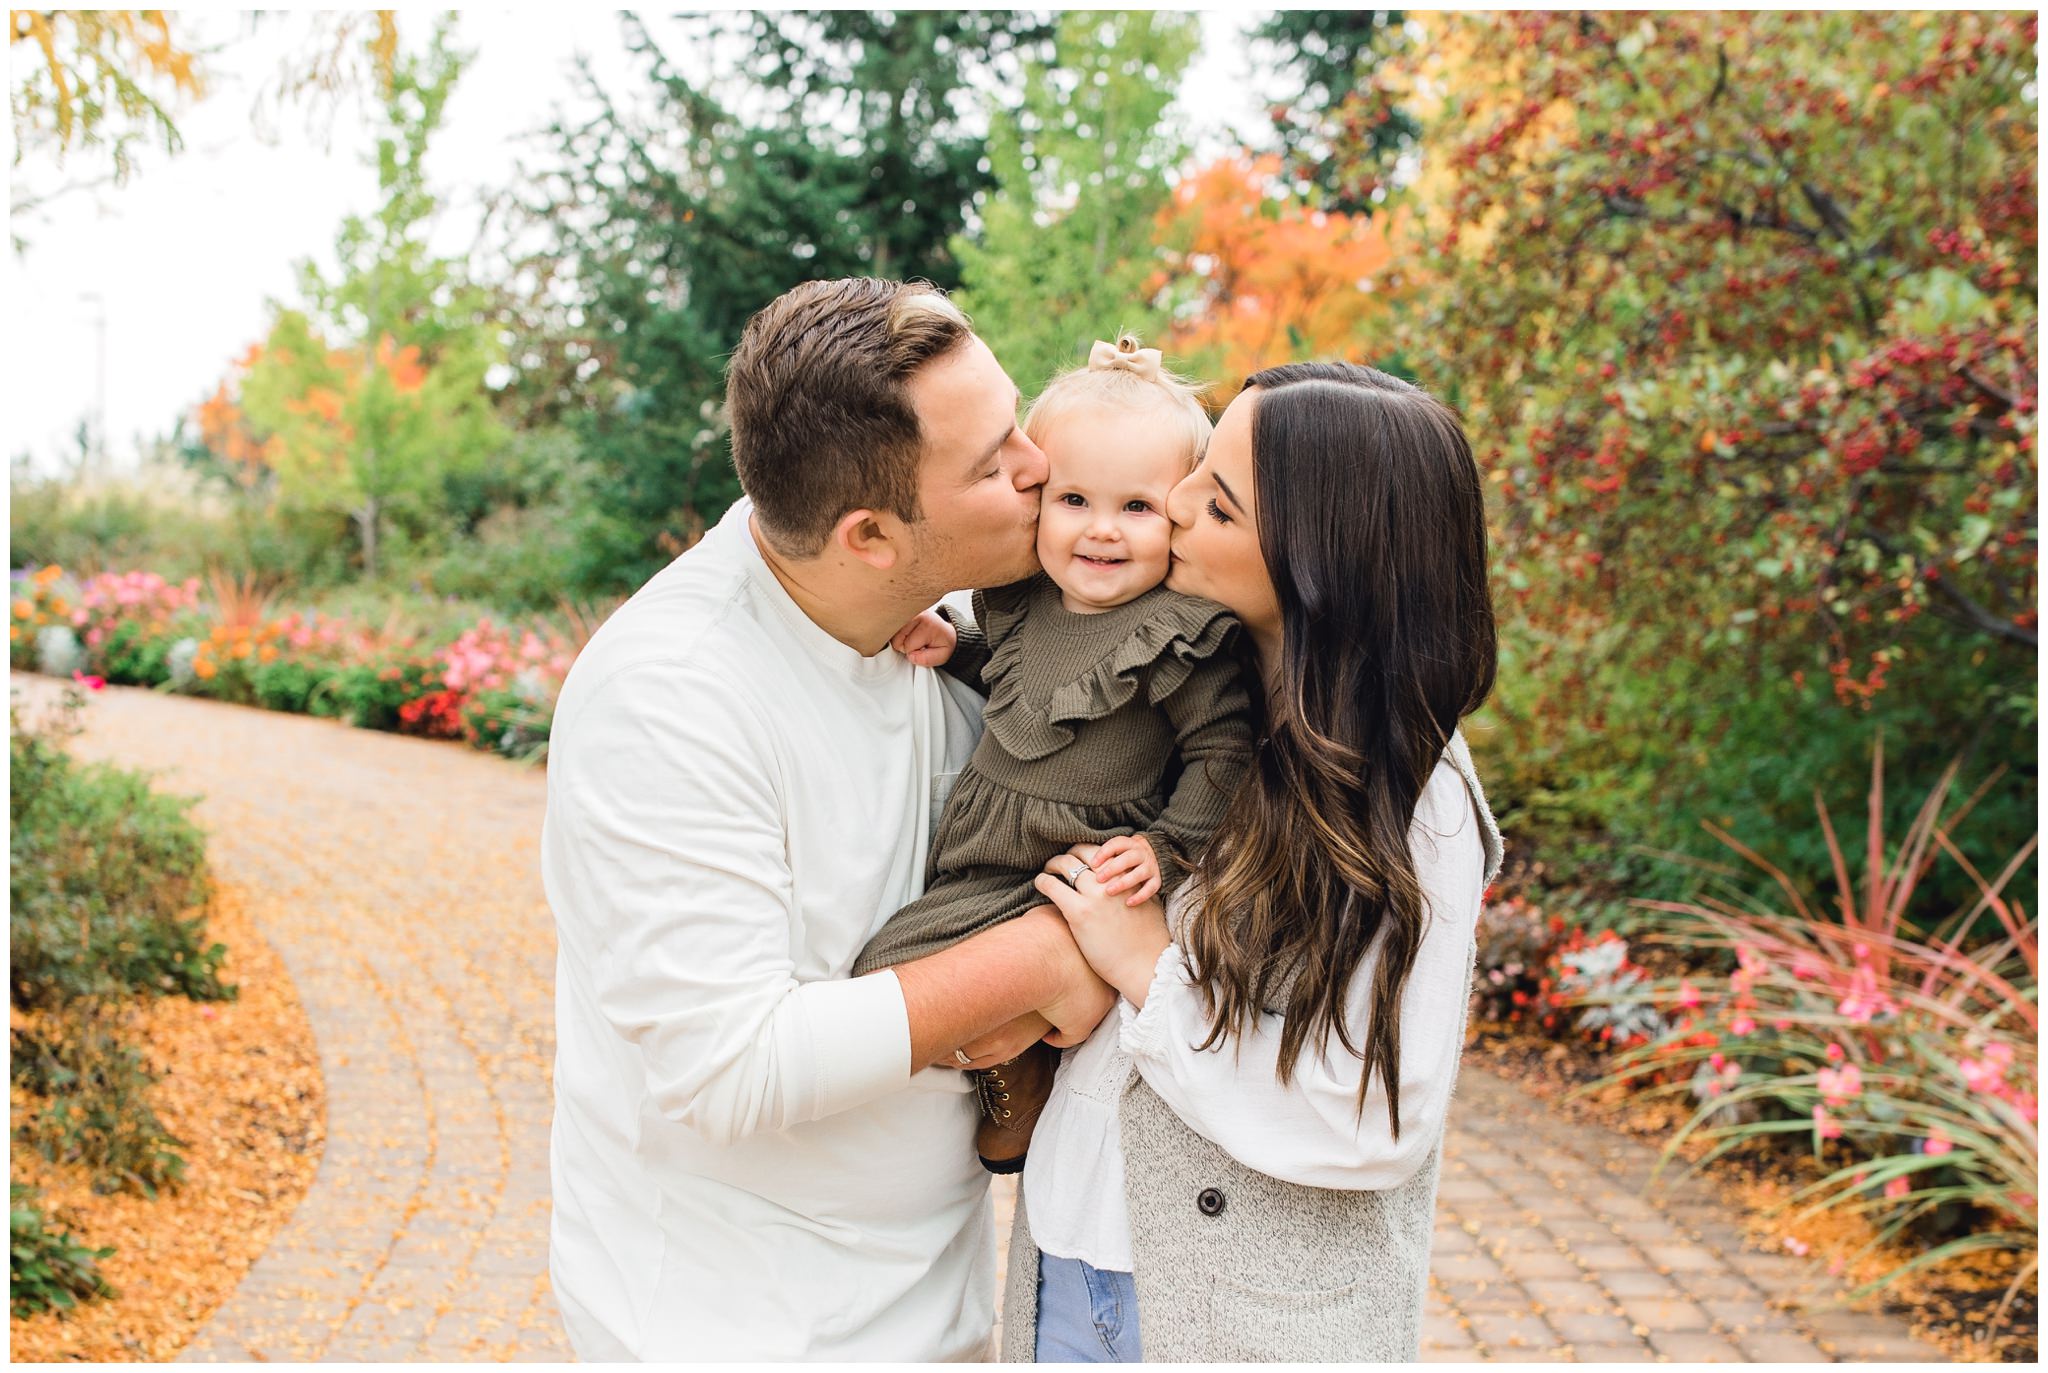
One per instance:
[(1137, 507), (1073, 500)]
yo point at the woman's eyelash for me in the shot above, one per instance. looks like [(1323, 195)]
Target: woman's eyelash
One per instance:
[(1216, 512)]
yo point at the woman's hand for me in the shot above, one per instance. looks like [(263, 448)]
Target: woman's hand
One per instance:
[(1000, 1046), (1121, 943)]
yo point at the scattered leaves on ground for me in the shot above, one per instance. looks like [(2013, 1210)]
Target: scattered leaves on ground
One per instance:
[(241, 1086)]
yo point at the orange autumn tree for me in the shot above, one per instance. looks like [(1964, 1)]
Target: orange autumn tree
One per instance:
[(371, 406), (1261, 277), (229, 443), (372, 432)]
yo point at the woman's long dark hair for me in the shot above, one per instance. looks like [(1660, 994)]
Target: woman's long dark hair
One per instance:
[(1372, 523)]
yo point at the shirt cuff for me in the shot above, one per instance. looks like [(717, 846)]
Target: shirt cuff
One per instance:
[(1140, 1031), (860, 1040)]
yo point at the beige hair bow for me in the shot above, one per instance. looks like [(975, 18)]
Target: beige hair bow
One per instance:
[(1107, 357)]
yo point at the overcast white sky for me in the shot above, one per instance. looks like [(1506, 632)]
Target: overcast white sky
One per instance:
[(183, 259)]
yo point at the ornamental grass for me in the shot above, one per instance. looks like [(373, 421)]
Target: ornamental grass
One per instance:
[(1900, 1053)]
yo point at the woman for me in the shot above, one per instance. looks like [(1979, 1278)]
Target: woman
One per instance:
[(1247, 1150)]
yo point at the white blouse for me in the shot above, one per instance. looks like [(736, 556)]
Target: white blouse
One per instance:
[(1307, 1132)]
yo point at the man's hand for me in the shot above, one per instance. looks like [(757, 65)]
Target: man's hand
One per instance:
[(928, 640), (1122, 944), (1128, 861), (973, 990)]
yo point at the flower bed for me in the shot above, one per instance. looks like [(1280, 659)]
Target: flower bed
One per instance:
[(1875, 1079), (492, 685)]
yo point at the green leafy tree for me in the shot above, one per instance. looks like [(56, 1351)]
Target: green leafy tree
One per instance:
[(666, 230), (374, 400), (1065, 253), (1742, 312)]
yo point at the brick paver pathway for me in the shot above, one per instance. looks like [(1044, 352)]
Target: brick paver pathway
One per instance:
[(399, 881)]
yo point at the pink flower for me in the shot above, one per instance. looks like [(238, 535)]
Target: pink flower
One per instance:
[(89, 683), (1806, 967), (1795, 1245), (1982, 1075), (1864, 1001), (1688, 996), (1938, 1143), (1897, 1187), (1741, 1025), (1825, 1125), (1839, 1085), (1836, 1053)]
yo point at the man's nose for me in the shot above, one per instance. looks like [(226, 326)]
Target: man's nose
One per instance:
[(1032, 468)]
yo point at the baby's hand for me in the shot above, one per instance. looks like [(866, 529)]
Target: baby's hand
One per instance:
[(1128, 861), (927, 640)]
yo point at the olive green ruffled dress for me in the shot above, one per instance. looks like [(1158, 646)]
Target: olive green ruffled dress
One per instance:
[(1129, 721)]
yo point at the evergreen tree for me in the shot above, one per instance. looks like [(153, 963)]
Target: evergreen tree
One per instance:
[(670, 229)]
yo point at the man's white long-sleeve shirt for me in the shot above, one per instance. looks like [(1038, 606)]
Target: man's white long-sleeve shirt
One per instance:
[(743, 1165)]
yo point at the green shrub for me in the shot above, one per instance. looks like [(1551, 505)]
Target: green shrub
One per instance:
[(104, 872), (132, 656), (46, 1267), (287, 684), (370, 695), (507, 722), (95, 1107)]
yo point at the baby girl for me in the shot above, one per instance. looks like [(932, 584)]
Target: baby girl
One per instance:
[(1115, 712)]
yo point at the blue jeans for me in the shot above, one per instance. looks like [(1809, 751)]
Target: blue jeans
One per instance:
[(1085, 1315)]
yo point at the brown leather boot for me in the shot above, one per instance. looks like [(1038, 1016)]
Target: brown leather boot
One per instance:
[(1012, 1095)]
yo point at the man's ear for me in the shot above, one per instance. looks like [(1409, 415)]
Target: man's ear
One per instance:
[(875, 537)]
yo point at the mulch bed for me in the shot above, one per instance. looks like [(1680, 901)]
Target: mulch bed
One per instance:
[(1950, 1304), (242, 1088)]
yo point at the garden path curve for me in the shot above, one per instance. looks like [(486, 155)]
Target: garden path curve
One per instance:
[(399, 880)]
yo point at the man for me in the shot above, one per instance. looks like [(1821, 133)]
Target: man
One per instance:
[(750, 1157)]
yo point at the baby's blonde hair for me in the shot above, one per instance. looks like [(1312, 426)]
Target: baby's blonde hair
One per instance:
[(1124, 385)]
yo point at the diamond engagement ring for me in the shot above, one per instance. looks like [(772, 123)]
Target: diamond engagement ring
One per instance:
[(1074, 877), (960, 1056)]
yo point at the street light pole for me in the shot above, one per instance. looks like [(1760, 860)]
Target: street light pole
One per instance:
[(99, 424)]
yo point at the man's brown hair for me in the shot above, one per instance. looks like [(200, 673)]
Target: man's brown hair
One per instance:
[(817, 394)]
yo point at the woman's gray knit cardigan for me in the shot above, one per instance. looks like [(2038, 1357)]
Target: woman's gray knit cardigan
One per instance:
[(1231, 1264)]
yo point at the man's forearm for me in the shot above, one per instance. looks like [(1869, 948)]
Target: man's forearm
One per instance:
[(959, 994)]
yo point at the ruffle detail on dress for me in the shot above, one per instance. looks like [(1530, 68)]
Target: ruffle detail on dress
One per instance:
[(1181, 633)]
